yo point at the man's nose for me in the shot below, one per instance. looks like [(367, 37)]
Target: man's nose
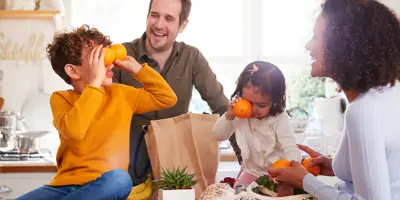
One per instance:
[(160, 23)]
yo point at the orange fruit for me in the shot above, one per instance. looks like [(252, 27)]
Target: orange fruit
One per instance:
[(281, 163), (314, 170), (109, 57), (120, 51), (242, 108)]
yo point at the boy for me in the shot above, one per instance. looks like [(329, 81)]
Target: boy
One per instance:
[(93, 118)]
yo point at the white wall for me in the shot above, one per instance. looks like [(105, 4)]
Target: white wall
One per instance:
[(393, 4), (28, 79)]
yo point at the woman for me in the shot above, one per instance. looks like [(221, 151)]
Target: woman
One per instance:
[(357, 44)]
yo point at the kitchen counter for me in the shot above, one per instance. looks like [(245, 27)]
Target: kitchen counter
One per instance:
[(34, 166)]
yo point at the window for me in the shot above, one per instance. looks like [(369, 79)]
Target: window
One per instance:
[(286, 29), (217, 32), (269, 30), (227, 73), (230, 34), (122, 20)]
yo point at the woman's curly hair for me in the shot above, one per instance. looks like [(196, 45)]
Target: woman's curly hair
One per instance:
[(362, 44), (67, 48), (268, 79)]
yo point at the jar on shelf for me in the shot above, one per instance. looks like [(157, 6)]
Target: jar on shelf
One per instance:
[(20, 4)]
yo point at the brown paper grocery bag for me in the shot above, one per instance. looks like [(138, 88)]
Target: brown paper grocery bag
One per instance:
[(185, 141)]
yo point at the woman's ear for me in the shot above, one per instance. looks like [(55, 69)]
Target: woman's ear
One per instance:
[(72, 71)]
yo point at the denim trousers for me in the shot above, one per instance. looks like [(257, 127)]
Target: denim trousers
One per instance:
[(114, 184)]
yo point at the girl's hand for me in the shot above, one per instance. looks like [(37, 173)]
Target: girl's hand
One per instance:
[(318, 159), (289, 176), (229, 114), (129, 64)]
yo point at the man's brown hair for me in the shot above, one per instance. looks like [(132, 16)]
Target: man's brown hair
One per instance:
[(185, 10), (67, 48)]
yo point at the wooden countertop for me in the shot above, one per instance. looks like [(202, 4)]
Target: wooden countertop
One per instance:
[(21, 167), (28, 168), (227, 157)]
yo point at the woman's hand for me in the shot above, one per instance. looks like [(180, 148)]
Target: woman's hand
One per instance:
[(318, 159), (290, 176)]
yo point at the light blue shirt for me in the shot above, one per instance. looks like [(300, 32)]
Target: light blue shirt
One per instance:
[(368, 158)]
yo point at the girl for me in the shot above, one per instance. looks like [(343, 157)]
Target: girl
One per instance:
[(267, 135)]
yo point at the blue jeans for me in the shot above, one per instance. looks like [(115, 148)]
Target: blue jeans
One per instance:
[(114, 184)]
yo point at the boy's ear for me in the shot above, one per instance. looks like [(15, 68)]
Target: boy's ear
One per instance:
[(72, 71)]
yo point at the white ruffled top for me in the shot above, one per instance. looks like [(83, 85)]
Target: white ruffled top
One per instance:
[(261, 141)]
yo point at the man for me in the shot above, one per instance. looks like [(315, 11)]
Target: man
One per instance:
[(181, 65)]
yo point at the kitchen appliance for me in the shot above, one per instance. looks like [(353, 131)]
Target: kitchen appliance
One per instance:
[(10, 123), (16, 142), (30, 141), (329, 114), (24, 147)]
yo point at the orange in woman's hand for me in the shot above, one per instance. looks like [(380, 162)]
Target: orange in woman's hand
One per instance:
[(281, 163), (242, 108), (314, 170), (109, 57), (120, 51)]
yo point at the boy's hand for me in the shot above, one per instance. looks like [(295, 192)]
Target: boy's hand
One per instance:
[(129, 64), (97, 71)]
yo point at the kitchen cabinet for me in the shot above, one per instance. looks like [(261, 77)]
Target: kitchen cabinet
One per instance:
[(13, 185)]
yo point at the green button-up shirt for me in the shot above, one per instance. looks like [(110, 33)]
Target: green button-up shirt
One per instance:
[(186, 67)]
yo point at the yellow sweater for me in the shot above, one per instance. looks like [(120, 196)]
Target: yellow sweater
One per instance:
[(94, 126)]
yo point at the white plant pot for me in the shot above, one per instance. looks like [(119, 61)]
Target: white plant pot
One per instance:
[(188, 194)]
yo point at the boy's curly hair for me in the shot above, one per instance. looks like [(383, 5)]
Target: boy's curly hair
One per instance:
[(270, 81), (67, 48), (362, 44)]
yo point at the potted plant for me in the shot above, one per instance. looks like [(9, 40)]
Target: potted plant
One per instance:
[(175, 184)]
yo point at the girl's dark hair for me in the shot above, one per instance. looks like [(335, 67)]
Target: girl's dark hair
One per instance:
[(362, 44), (268, 79)]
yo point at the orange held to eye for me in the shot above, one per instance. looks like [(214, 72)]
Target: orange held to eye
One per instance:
[(281, 163), (109, 57), (314, 170), (119, 50), (242, 108)]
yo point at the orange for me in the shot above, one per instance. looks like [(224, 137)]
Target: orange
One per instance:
[(281, 163), (109, 57), (242, 108), (314, 170), (120, 51)]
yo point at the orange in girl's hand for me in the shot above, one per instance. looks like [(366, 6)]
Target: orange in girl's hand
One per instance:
[(281, 163), (119, 50), (314, 170), (109, 57), (242, 108)]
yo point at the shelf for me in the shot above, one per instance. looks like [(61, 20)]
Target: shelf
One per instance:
[(28, 13)]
